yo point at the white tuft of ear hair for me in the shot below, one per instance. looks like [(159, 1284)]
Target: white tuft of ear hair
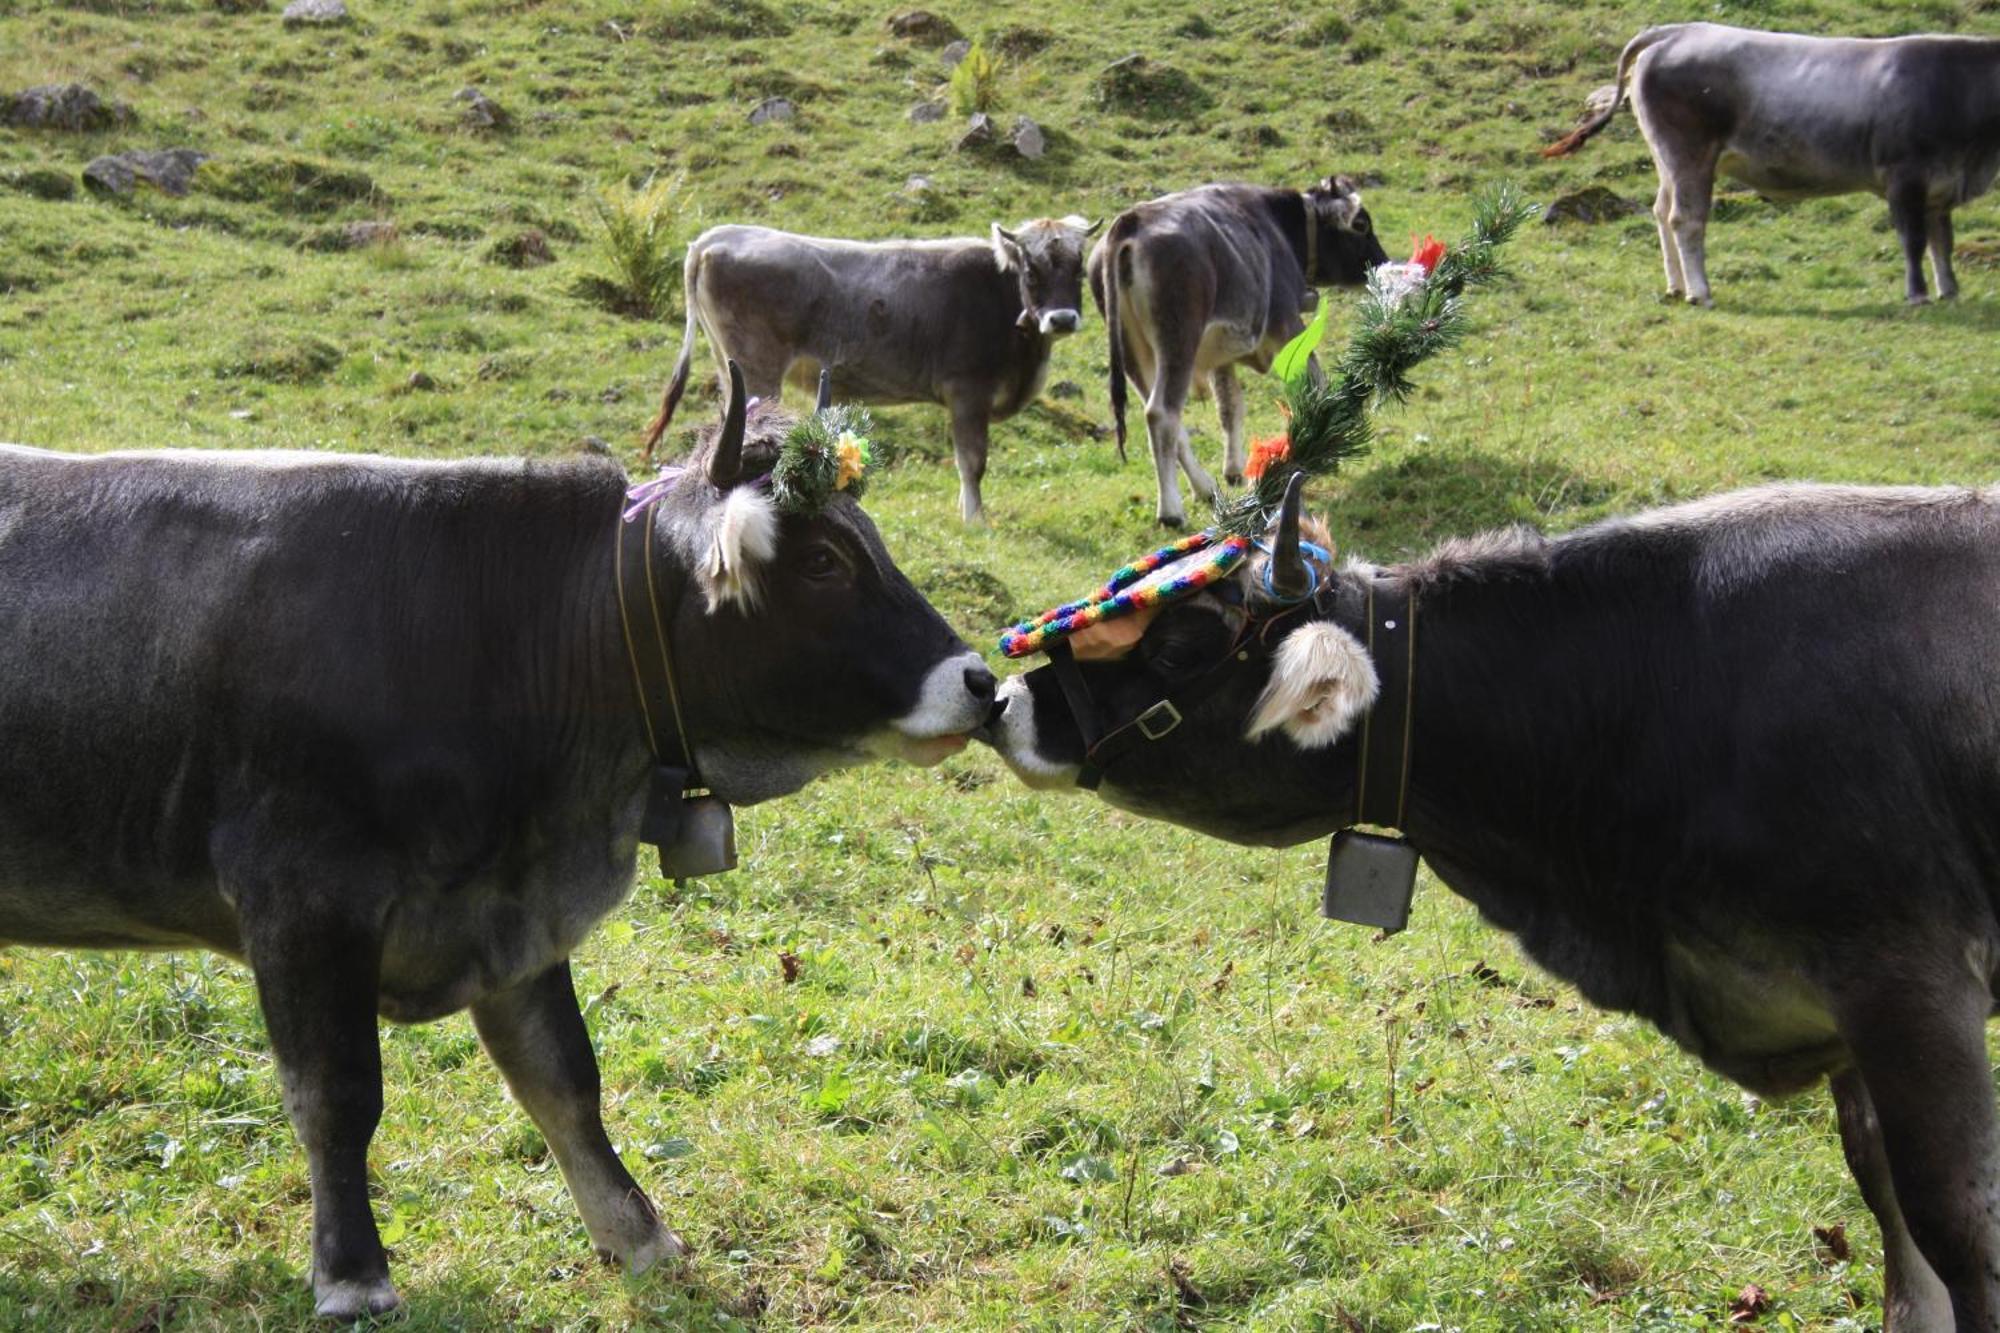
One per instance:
[(1004, 247), (742, 540), (1321, 681)]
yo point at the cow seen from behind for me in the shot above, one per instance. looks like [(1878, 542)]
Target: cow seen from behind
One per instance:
[(967, 323), (372, 726), (1194, 283), (1915, 120), (1732, 766)]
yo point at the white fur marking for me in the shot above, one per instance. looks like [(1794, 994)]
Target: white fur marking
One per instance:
[(945, 707), (744, 538), (1321, 681), (1014, 738)]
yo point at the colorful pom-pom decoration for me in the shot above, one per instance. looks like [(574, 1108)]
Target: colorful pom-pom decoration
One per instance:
[(1130, 590)]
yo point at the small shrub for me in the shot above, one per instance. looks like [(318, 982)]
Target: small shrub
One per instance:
[(279, 359), (975, 84), (642, 233)]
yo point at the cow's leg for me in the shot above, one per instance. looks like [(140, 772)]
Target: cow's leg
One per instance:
[(1919, 1043), (316, 976), (1173, 373), (969, 420), (1691, 188), (536, 1035), (1670, 250), (1229, 408), (1940, 239), (1914, 1300), (1906, 211)]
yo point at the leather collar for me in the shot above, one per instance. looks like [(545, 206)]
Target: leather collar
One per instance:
[(651, 657), (1386, 612)]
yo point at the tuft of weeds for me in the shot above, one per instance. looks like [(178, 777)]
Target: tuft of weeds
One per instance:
[(642, 233), (975, 82)]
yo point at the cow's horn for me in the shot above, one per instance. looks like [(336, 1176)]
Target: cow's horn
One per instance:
[(825, 390), (726, 463), (1290, 578)]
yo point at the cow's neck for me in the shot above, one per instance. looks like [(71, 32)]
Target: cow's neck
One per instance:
[(1295, 220), (1527, 759)]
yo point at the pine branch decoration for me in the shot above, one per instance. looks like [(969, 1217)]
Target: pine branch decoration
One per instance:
[(826, 452), (1406, 319)]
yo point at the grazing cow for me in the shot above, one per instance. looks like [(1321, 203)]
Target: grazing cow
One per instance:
[(1732, 766), (372, 726), (965, 323), (1192, 283), (1913, 119)]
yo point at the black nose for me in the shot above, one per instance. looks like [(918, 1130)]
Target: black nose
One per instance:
[(1069, 321), (981, 683)]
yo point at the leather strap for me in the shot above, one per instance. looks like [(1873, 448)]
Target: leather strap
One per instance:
[(646, 648), (1312, 240), (1382, 782)]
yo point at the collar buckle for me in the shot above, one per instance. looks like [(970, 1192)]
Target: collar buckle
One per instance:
[(1159, 720)]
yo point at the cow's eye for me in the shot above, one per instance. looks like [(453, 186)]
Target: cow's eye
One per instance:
[(820, 562), (1361, 224)]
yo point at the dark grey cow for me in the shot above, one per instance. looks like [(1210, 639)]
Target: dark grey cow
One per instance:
[(371, 726), (1732, 766), (1191, 284), (1913, 119), (965, 323)]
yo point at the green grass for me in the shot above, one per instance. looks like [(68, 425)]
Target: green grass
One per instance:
[(1011, 1010)]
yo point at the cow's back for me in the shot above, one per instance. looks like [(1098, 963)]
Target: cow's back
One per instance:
[(898, 320), (1215, 246), (186, 635)]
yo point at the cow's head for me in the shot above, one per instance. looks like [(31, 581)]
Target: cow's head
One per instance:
[(1268, 686), (1046, 258), (799, 645), (1345, 247)]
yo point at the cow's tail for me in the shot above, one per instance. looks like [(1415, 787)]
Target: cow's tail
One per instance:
[(1577, 137), (1114, 246), (677, 385)]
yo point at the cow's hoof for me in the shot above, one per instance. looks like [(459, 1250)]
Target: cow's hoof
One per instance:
[(1232, 478), (1705, 302), (359, 1299), (1174, 521), (1673, 294), (660, 1247), (1917, 299)]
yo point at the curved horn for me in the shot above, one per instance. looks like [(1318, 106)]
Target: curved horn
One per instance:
[(825, 390), (1290, 579), (726, 463)]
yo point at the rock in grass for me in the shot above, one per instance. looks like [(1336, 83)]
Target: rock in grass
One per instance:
[(923, 27), (169, 170), (928, 113), (773, 109), (1593, 203), (1028, 139), (481, 111), (955, 52), (62, 106), (979, 132), (315, 13)]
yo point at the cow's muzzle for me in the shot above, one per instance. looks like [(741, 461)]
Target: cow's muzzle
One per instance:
[(1055, 323)]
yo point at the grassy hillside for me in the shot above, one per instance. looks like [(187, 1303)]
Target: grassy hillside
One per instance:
[(1041, 1066)]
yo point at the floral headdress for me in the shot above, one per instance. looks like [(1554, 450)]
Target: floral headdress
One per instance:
[(827, 452)]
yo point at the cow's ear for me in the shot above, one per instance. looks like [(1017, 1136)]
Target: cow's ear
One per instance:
[(1006, 247), (1321, 681), (1345, 185), (1078, 222)]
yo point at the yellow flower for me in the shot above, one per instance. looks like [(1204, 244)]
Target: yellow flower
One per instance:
[(851, 452)]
